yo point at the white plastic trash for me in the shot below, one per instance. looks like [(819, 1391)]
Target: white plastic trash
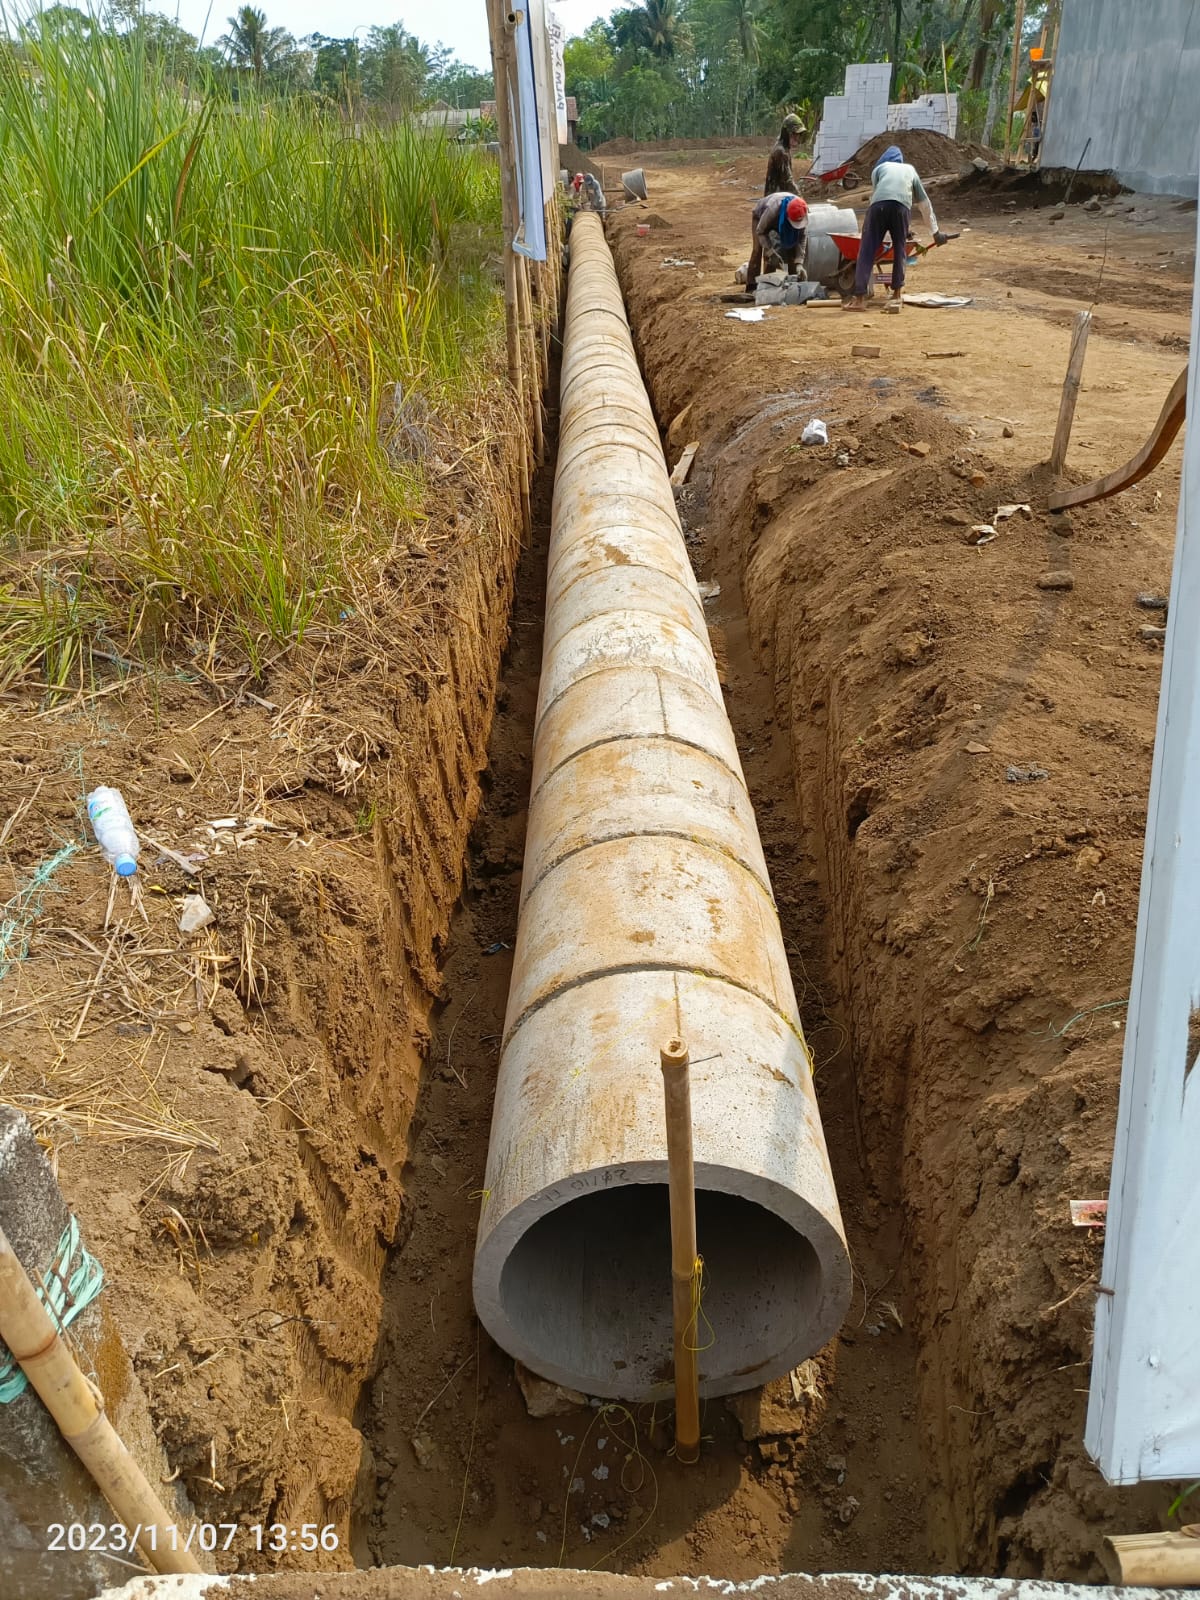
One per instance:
[(196, 914), (114, 831), (815, 433)]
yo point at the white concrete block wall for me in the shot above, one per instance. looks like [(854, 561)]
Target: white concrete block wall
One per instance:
[(861, 111)]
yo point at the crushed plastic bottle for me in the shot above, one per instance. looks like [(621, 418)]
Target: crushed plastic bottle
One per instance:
[(114, 831)]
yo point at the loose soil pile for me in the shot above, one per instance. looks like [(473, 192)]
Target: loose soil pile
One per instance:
[(624, 147), (928, 151)]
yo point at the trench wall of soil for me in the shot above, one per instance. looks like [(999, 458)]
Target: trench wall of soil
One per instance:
[(980, 924), (229, 1118)]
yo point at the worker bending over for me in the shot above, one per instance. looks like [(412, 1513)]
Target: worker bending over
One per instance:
[(779, 162), (780, 229), (895, 186)]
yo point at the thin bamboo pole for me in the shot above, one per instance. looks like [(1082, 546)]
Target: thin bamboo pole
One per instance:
[(1018, 29), (1158, 1560), (529, 350), (29, 1332), (1070, 393), (682, 1183)]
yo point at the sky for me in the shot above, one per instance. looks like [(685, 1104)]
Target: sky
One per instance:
[(461, 24)]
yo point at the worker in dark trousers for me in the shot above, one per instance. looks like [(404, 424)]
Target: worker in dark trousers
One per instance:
[(895, 188), (779, 162), (780, 229)]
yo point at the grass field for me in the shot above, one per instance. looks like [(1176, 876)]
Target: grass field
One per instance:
[(205, 310)]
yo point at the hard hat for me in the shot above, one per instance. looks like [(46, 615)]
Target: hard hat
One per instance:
[(797, 210), (792, 121)]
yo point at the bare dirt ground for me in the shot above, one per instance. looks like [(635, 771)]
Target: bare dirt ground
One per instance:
[(978, 917), (961, 942)]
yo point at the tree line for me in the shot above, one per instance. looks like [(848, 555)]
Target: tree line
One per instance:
[(385, 71), (695, 68)]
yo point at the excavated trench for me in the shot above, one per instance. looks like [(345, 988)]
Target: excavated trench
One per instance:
[(464, 1473)]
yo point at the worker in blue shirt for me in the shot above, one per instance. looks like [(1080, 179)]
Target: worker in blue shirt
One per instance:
[(780, 226), (895, 188)]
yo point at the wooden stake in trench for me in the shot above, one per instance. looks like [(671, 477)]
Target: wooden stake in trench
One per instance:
[(29, 1332), (1070, 394), (682, 1182)]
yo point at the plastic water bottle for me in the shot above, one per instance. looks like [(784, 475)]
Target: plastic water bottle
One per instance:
[(109, 817)]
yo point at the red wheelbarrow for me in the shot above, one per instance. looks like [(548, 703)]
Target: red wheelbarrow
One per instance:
[(848, 246), (842, 175)]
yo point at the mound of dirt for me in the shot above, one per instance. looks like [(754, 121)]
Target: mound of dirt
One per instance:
[(624, 147), (928, 151)]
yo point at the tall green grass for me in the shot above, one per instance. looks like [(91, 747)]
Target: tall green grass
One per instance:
[(203, 308)]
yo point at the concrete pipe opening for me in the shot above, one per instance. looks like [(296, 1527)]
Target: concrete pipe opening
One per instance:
[(591, 1282), (646, 914)]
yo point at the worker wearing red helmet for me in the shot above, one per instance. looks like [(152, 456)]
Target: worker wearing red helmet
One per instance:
[(780, 229)]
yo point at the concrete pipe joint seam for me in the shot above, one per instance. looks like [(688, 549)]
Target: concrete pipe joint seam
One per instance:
[(646, 912)]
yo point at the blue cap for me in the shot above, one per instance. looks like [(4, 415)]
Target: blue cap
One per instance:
[(125, 866)]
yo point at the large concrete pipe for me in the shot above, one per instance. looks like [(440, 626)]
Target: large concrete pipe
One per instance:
[(646, 912)]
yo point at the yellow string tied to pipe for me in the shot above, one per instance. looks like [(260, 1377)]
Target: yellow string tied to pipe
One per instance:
[(698, 1313)]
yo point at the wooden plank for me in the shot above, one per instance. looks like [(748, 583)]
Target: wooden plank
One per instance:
[(1170, 420), (684, 465), (1070, 394), (1014, 77)]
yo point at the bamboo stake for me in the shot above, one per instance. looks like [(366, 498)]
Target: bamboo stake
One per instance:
[(682, 1182), (1070, 394), (29, 1332), (1158, 1560), (1018, 28), (528, 344)]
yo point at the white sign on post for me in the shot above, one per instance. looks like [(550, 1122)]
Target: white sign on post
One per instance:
[(558, 41), (1144, 1405)]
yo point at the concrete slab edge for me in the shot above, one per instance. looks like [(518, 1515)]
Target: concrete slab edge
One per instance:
[(529, 1583)]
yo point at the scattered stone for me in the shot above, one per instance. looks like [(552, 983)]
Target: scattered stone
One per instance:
[(980, 164), (424, 1449), (981, 533), (871, 351), (920, 448), (1008, 431), (1025, 774), (773, 1412), (974, 748), (1152, 634), (546, 1399), (1058, 213), (1094, 204), (957, 519), (848, 1510), (978, 479), (1056, 580), (835, 1464), (1152, 602)]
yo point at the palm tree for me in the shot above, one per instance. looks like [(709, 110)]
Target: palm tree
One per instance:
[(744, 14), (253, 46), (661, 27)]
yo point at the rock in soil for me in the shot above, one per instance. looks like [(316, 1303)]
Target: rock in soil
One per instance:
[(546, 1399), (774, 1411), (1056, 580)]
